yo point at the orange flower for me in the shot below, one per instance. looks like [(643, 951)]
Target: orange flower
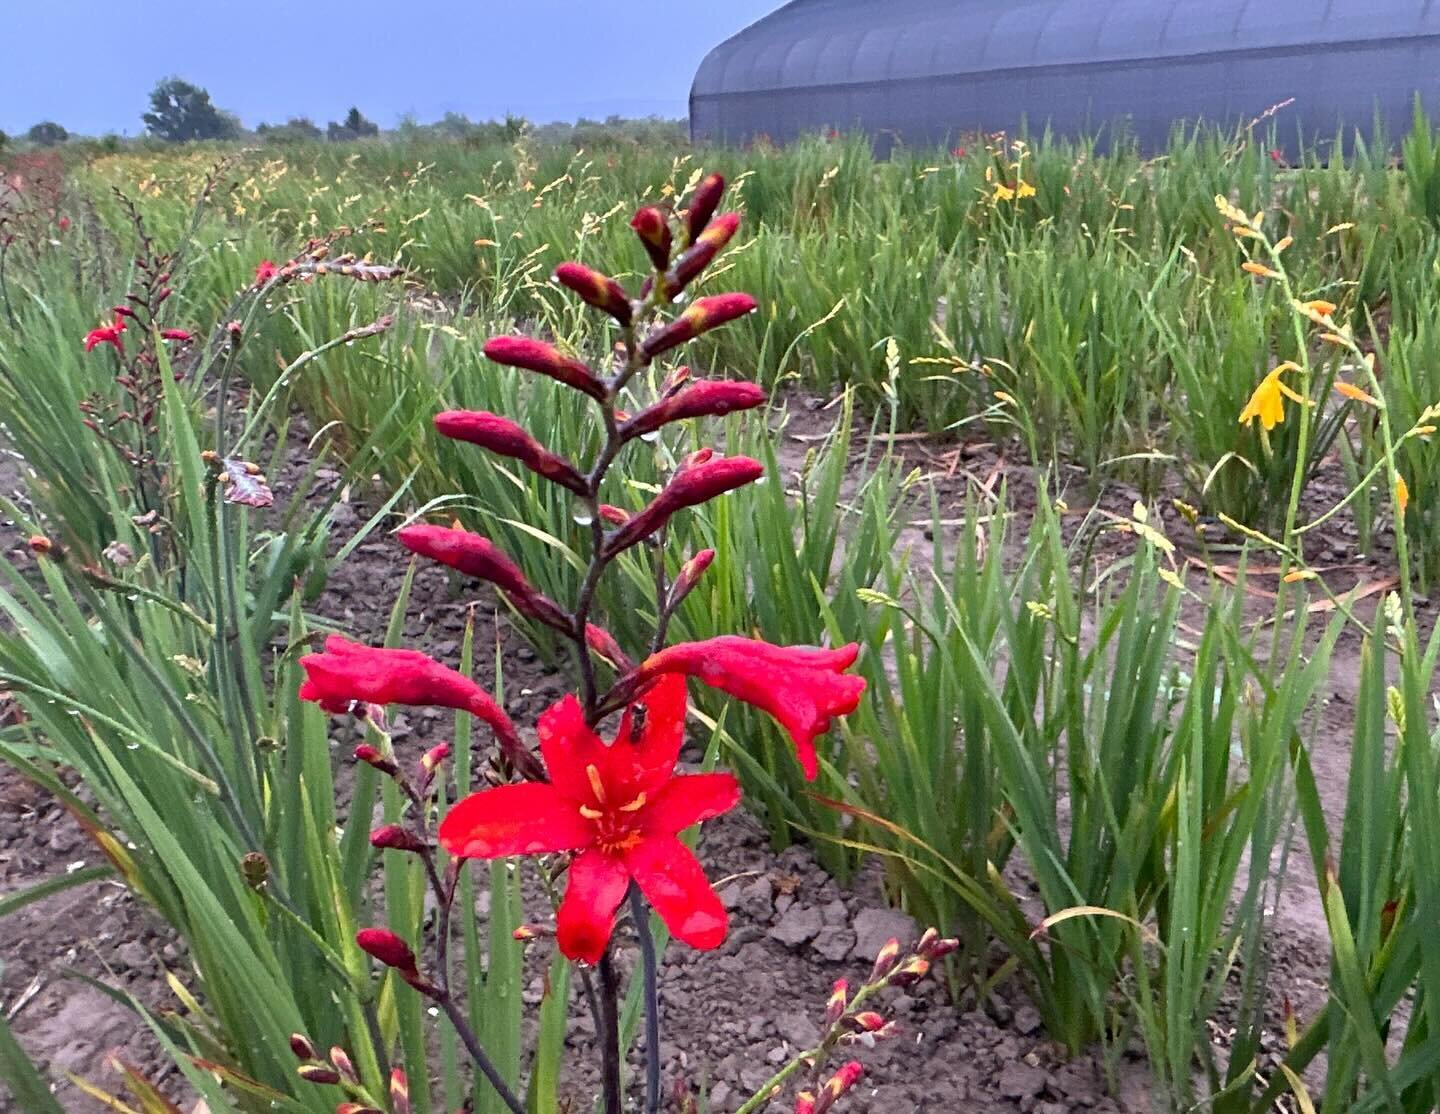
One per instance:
[(1260, 269), (1354, 393), (1318, 308), (1268, 401)]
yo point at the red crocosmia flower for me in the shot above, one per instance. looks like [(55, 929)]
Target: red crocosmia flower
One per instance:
[(348, 673), (804, 688), (265, 272), (621, 808), (481, 558), (698, 398), (63, 224), (544, 359), (702, 315), (182, 335), (107, 334), (507, 438), (697, 481)]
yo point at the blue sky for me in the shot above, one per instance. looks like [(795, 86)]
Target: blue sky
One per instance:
[(90, 65)]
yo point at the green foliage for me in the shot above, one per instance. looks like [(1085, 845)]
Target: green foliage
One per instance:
[(47, 133), (353, 127), (182, 113)]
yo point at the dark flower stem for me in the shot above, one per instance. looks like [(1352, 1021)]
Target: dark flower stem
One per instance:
[(610, 1036), (477, 1053), (640, 915)]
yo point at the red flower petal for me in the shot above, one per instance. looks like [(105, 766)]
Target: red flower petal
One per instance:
[(597, 886), (569, 747), (675, 884), (657, 749), (689, 799), (530, 818)]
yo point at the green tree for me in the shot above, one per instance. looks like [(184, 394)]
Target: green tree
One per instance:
[(298, 129), (354, 126), (181, 112), (47, 133)]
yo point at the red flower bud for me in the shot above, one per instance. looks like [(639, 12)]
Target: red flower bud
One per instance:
[(348, 672), (699, 255), (507, 438), (616, 516), (431, 759), (653, 229), (604, 644), (372, 757), (696, 399), (703, 203), (842, 1081), (805, 1103), (544, 359), (40, 545), (693, 484), (303, 1049), (384, 946), (596, 289), (125, 311), (690, 573), (835, 1007), (234, 328), (481, 558), (399, 1092), (392, 837), (341, 1059), (357, 1108), (885, 959), (317, 1073), (802, 687), (913, 971), (700, 317), (868, 1021), (176, 334), (265, 272)]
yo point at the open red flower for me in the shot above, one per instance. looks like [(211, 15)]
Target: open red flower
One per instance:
[(804, 688), (621, 807), (348, 673), (107, 334), (265, 272)]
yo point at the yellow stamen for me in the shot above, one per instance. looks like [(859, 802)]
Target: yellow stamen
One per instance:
[(634, 806), (595, 783), (590, 813)]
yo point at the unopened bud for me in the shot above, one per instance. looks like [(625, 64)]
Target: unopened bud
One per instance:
[(603, 643), (371, 756), (616, 516), (255, 868), (699, 255), (595, 289), (913, 971), (653, 229), (431, 759), (399, 1092), (40, 545), (357, 1108), (317, 1073), (868, 1021), (700, 317), (344, 1065), (303, 1049), (839, 998), (842, 1081), (392, 837), (885, 959), (385, 947), (941, 948), (703, 203), (805, 1103), (544, 359)]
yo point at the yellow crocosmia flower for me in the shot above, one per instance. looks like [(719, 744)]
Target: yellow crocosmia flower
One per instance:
[(1354, 393), (1259, 269), (1298, 575), (1002, 193), (1402, 493), (1025, 189), (1284, 243), (1268, 401), (1319, 306)]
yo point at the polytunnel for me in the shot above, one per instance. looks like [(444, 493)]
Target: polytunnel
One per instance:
[(930, 71)]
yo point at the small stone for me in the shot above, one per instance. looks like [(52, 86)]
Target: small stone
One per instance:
[(739, 937), (835, 913), (133, 955), (834, 943), (1021, 1081), (799, 925), (799, 1030), (874, 928), (730, 895), (757, 900), (1027, 1020)]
